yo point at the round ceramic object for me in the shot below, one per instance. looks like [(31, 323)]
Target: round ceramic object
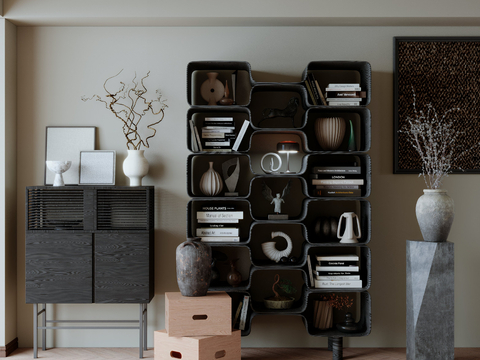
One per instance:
[(270, 250), (330, 132), (58, 168), (135, 167), (211, 183), (194, 267), (278, 304), (435, 212), (212, 90)]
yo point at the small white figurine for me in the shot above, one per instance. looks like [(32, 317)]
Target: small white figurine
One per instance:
[(278, 200)]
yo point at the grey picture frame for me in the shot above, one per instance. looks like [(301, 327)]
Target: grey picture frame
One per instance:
[(65, 143), (97, 167)]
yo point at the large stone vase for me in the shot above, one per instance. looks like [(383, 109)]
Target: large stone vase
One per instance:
[(435, 213), (194, 267)]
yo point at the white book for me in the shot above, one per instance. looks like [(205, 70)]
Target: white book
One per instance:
[(351, 268), (217, 232), (220, 215), (243, 315), (199, 142), (240, 135), (346, 85), (217, 131), (211, 118), (214, 135), (346, 257), (344, 103), (337, 181), (217, 143), (336, 278), (343, 89), (219, 128), (337, 186), (217, 221), (193, 136), (220, 239), (344, 99), (338, 284)]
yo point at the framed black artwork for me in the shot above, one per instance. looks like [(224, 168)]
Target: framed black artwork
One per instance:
[(443, 72)]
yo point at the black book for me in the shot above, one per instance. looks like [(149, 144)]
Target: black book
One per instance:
[(336, 176), (337, 192)]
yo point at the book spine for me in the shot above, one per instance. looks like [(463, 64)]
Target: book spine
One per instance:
[(337, 273), (337, 278), (219, 128), (217, 144), (344, 103), (219, 119), (310, 92), (337, 192), (341, 99), (217, 221), (343, 89), (337, 187), (218, 150), (338, 284), (243, 315), (237, 314), (240, 135), (337, 181), (338, 258), (193, 136), (337, 268), (346, 85), (336, 176), (199, 141), (220, 215), (201, 232), (314, 89), (337, 170), (347, 94), (218, 208), (310, 271), (220, 239), (337, 263)]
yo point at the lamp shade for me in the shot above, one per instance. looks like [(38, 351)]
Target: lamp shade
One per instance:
[(288, 147)]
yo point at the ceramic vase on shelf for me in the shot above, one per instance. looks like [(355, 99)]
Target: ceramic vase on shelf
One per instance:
[(435, 212), (330, 132), (212, 89), (135, 166), (234, 278), (211, 183), (194, 267)]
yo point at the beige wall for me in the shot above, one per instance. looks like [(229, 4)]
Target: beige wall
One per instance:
[(8, 187), (57, 65)]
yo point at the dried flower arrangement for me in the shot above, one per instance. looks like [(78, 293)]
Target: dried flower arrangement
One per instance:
[(339, 302), (434, 138), (130, 105)]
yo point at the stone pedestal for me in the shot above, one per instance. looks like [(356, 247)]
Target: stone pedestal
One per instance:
[(430, 300)]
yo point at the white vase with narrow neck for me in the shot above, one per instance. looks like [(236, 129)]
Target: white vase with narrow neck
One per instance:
[(435, 212), (135, 166)]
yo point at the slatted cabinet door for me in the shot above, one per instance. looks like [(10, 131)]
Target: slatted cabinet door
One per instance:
[(123, 267), (58, 267)]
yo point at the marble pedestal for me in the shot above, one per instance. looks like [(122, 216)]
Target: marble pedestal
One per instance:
[(430, 300)]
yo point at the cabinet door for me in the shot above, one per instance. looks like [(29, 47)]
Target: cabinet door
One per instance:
[(58, 268), (123, 268)]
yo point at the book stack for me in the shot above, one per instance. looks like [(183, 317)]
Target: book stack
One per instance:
[(314, 91), (344, 94), (337, 180), (218, 134), (219, 224), (337, 271), (240, 319)]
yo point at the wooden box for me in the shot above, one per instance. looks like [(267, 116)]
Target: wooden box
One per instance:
[(224, 347), (198, 316)]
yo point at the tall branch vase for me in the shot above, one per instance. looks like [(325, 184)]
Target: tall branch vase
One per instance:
[(135, 166)]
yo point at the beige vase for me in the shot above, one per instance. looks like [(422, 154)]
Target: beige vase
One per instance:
[(212, 90), (211, 183), (330, 132)]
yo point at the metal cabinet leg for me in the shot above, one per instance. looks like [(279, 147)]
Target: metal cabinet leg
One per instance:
[(140, 345), (335, 344), (44, 331), (35, 329), (145, 323)]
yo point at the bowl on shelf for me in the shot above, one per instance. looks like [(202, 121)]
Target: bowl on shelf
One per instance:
[(278, 304), (58, 168)]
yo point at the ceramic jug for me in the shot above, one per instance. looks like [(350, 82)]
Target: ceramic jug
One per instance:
[(349, 236)]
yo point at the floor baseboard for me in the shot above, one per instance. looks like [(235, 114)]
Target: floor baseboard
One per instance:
[(9, 348)]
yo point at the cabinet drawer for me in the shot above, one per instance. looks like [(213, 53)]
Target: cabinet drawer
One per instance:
[(58, 268), (123, 268)]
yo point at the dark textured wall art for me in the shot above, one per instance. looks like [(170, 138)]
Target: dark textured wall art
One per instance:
[(444, 72)]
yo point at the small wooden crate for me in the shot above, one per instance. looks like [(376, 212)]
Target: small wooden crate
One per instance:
[(218, 347), (198, 316)]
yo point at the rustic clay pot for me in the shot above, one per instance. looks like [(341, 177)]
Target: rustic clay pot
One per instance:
[(194, 267)]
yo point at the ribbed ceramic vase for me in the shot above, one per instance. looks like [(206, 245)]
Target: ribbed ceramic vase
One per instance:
[(330, 132), (211, 183), (135, 167), (435, 213)]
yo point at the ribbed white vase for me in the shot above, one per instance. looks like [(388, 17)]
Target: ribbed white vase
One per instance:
[(135, 166), (330, 132), (211, 183)]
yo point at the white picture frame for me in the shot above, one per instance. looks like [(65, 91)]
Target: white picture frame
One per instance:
[(97, 167), (64, 143)]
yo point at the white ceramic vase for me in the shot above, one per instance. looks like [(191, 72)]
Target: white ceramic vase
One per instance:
[(330, 132), (435, 212), (135, 166), (211, 183), (212, 90)]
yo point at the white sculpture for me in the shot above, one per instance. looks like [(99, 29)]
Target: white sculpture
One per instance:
[(270, 250), (349, 236), (277, 200), (58, 167)]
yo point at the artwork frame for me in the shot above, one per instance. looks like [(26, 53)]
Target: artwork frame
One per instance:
[(65, 143), (97, 167), (439, 71)]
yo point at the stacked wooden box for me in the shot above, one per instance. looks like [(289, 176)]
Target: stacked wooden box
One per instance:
[(198, 328)]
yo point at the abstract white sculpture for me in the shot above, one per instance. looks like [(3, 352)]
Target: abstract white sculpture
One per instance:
[(271, 251), (58, 167)]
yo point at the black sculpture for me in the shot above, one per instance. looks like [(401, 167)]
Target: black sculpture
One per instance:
[(289, 111)]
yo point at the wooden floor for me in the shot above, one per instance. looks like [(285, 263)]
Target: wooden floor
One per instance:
[(247, 354)]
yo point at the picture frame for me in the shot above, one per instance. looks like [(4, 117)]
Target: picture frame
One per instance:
[(97, 167), (443, 72), (64, 143)]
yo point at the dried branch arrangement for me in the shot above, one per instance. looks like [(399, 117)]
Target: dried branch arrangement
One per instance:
[(434, 138), (130, 105)]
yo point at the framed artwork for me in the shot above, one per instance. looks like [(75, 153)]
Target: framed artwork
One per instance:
[(443, 72), (65, 143), (97, 167)]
